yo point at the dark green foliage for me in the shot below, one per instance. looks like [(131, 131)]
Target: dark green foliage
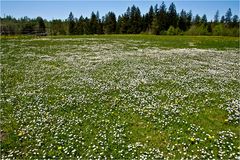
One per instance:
[(235, 22), (222, 19), (228, 17), (125, 22), (189, 19), (204, 20), (109, 24), (172, 16), (163, 17), (57, 27), (135, 20), (80, 26), (157, 20), (41, 25), (216, 17), (149, 18), (71, 24), (28, 28), (182, 24), (197, 19)]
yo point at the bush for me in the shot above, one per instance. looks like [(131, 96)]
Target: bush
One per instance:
[(221, 30), (197, 30), (171, 31)]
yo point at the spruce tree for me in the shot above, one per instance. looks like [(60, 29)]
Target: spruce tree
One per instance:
[(162, 20), (150, 18), (204, 20), (41, 25), (110, 23), (228, 16), (216, 17), (182, 24), (71, 24), (172, 16)]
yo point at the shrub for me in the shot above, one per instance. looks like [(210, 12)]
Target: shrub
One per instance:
[(171, 31), (197, 30)]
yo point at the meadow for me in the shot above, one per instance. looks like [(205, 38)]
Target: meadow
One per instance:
[(120, 97)]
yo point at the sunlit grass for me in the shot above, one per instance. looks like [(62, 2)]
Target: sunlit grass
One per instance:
[(120, 97)]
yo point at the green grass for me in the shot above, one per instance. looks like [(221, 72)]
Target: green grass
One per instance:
[(216, 42), (120, 97)]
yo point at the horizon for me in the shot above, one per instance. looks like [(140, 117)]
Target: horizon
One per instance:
[(60, 9)]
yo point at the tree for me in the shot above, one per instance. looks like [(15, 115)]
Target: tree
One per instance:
[(41, 25), (189, 19), (80, 26), (235, 22), (135, 20), (222, 19), (118, 24), (155, 26), (28, 28), (216, 17), (87, 26), (162, 21), (109, 25), (150, 17), (57, 27), (71, 24), (172, 16), (209, 27), (125, 22), (99, 24), (204, 20), (197, 19), (228, 16), (182, 24), (93, 23)]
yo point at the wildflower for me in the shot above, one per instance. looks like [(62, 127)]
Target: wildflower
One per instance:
[(21, 133), (192, 139), (210, 137)]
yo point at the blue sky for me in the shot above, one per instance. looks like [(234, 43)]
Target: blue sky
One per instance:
[(60, 9)]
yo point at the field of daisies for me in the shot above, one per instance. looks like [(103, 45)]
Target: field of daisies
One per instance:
[(120, 97)]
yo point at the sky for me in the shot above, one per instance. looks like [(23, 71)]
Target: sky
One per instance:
[(60, 9)]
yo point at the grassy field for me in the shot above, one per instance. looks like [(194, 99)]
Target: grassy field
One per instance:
[(120, 97)]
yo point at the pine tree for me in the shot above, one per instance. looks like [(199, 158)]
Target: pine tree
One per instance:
[(71, 24), (172, 16), (216, 17), (80, 26), (182, 24), (222, 19), (99, 24), (204, 20), (162, 21), (135, 20), (110, 23), (57, 27), (189, 19), (228, 16), (235, 22), (197, 20), (93, 23), (150, 17), (41, 25), (155, 26), (155, 29), (125, 22)]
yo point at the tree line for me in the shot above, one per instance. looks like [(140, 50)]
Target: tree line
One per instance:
[(159, 20)]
